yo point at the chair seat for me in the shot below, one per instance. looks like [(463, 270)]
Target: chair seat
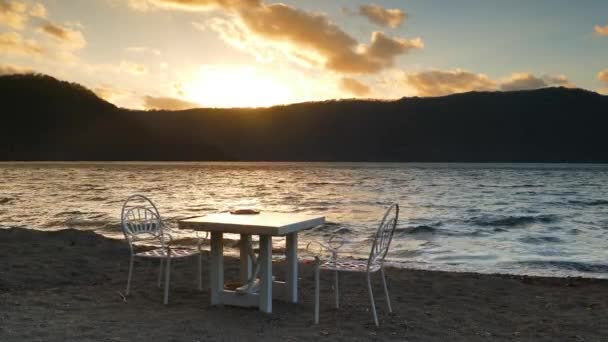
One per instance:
[(162, 253), (349, 265)]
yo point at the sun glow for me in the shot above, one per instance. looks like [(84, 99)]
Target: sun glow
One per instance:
[(241, 86)]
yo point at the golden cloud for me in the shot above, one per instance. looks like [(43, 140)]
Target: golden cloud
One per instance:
[(601, 30), (381, 16), (14, 43), (191, 5), (386, 48), (38, 10), (439, 82), (522, 81), (527, 81), (72, 39), (111, 94), (339, 51), (104, 92), (603, 76), (167, 103), (354, 87), (133, 68), (144, 50), (310, 36), (8, 69), (13, 14)]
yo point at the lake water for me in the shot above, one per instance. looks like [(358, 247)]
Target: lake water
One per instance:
[(540, 219)]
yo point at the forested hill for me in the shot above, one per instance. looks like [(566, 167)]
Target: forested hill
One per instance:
[(46, 119)]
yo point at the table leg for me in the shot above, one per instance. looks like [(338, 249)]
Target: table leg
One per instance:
[(245, 260), (265, 260), (217, 267), (292, 267)]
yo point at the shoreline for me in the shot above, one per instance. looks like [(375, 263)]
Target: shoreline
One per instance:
[(68, 285), (231, 249)]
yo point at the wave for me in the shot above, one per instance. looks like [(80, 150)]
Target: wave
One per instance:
[(4, 200), (514, 186), (69, 213), (589, 202), (539, 240), (512, 221), (565, 265), (422, 229), (330, 183), (97, 199)]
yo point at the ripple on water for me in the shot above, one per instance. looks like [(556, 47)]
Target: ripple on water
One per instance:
[(562, 265), (539, 240), (589, 202), (511, 221), (528, 212)]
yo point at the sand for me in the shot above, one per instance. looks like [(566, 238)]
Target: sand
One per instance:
[(68, 285)]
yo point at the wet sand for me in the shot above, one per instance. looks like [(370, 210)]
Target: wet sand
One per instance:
[(68, 286)]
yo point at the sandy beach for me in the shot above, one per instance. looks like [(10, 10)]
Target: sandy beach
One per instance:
[(67, 286)]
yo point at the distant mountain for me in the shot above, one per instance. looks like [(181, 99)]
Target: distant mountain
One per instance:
[(46, 119)]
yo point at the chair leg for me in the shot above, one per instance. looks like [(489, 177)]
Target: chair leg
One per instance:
[(371, 298), (337, 289), (167, 277), (160, 273), (200, 271), (317, 271), (129, 276), (388, 299)]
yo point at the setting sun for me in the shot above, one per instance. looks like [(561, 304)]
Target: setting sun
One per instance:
[(230, 86)]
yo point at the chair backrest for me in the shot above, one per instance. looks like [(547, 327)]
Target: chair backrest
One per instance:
[(384, 235), (140, 220)]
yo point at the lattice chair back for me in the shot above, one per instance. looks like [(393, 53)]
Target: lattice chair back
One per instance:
[(141, 220), (384, 235)]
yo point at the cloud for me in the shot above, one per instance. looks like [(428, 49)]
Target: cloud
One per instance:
[(439, 82), (8, 69), (522, 81), (313, 31), (306, 36), (190, 5), (601, 30), (385, 49), (38, 11), (167, 103), (105, 92), (139, 5), (603, 76), (381, 16), (14, 43), (527, 81), (113, 94), (354, 87), (72, 39), (144, 50), (13, 14), (133, 68)]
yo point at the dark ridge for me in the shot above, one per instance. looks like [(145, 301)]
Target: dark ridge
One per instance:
[(47, 119)]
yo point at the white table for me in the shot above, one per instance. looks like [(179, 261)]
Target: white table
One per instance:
[(266, 225)]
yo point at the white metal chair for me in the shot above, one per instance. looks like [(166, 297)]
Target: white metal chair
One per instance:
[(141, 221), (375, 262)]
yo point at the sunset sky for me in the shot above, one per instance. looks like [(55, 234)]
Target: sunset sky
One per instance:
[(178, 54)]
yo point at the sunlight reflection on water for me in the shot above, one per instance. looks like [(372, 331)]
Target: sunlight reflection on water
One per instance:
[(526, 218)]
